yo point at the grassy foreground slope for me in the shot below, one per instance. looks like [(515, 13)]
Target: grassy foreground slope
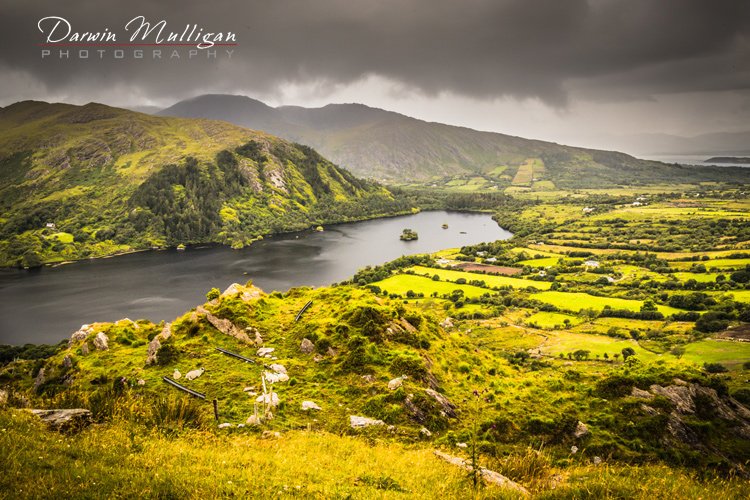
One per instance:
[(87, 181), (501, 388)]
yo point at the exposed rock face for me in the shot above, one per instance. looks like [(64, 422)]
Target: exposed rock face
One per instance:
[(153, 348), (225, 326), (306, 346), (641, 394), (39, 379), (448, 408), (490, 476), (65, 420), (101, 342), (692, 399), (309, 405), (361, 422)]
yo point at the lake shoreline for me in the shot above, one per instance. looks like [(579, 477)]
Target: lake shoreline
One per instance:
[(46, 304), (213, 244)]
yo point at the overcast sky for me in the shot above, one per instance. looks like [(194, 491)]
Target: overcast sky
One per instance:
[(564, 70)]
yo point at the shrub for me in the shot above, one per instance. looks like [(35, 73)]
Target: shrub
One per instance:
[(715, 368), (212, 294)]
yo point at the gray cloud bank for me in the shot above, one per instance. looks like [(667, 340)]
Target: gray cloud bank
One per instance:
[(546, 49)]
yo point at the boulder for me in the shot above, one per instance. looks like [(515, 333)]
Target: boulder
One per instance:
[(246, 293), (361, 422), (581, 430), (489, 476), (101, 342), (448, 409), (85, 348), (309, 405), (194, 374), (274, 378), (3, 397), (271, 399), (67, 361), (396, 383), (306, 346), (65, 420), (447, 323), (278, 368), (368, 378), (224, 326), (176, 375), (265, 351), (225, 425), (253, 420), (425, 432), (141, 382), (270, 435)]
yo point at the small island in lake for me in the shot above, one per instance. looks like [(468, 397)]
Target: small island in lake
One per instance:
[(728, 159), (409, 235), (445, 226)]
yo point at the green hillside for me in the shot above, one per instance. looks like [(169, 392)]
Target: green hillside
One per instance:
[(391, 147), (86, 181)]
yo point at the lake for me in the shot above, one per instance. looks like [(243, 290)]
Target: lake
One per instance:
[(46, 305)]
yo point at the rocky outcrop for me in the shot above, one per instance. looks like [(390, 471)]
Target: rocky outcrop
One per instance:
[(225, 326), (155, 344), (101, 341), (689, 399), (489, 476), (81, 334), (246, 293), (39, 379), (65, 420), (448, 409)]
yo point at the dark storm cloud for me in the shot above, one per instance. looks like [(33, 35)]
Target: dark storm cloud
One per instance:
[(543, 49)]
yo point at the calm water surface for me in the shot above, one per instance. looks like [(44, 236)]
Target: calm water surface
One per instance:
[(47, 305)]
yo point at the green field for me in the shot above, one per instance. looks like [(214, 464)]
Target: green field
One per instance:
[(550, 320), (578, 300), (718, 263), (491, 280), (728, 353), (402, 283), (564, 342)]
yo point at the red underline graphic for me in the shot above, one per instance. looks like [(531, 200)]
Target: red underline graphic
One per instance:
[(134, 45)]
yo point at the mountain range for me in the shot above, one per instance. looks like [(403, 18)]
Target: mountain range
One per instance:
[(391, 147)]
